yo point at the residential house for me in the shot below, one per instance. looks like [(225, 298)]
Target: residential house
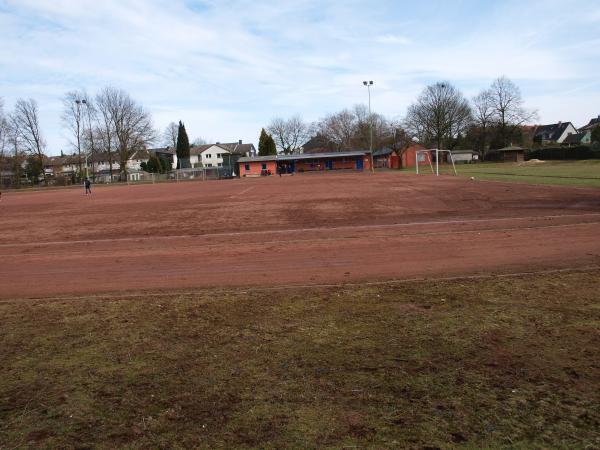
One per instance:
[(166, 153), (554, 133), (591, 125), (220, 155), (582, 138)]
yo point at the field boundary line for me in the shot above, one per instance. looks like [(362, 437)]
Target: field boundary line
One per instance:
[(348, 238), (133, 294), (533, 176), (297, 230)]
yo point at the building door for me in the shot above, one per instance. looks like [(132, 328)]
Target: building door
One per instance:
[(359, 164), (329, 164)]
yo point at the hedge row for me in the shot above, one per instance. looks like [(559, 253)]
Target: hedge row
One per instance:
[(579, 152)]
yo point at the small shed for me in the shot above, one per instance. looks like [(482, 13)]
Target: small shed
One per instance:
[(463, 156), (507, 154)]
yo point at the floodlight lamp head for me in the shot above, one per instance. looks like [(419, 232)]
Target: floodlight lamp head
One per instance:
[(84, 102), (78, 101), (371, 83), (365, 83)]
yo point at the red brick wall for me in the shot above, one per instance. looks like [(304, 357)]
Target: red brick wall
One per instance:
[(409, 157)]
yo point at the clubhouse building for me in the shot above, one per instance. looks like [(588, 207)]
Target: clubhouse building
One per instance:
[(310, 162)]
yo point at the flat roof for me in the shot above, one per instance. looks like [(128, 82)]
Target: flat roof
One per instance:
[(304, 156)]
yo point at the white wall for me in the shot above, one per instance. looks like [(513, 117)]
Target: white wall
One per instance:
[(569, 130), (212, 156)]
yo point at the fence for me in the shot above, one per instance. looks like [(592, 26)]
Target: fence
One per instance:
[(195, 174)]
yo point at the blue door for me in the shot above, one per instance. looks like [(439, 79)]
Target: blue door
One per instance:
[(359, 164), (329, 164)]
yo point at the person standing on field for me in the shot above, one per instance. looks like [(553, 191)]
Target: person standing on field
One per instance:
[(88, 186)]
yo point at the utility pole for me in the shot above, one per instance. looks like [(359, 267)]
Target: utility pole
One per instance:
[(368, 84)]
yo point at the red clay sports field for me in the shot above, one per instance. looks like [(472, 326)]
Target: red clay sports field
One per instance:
[(309, 229)]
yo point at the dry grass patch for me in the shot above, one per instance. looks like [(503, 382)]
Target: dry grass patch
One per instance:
[(510, 362)]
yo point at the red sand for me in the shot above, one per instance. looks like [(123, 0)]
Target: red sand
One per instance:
[(291, 230)]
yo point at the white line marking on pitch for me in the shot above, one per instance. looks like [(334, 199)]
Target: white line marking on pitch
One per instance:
[(243, 192), (245, 289), (298, 230)]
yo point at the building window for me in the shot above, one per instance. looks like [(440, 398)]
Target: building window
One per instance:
[(264, 166), (208, 155), (219, 164), (247, 167), (209, 165)]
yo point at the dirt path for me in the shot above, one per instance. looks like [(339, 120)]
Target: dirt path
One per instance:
[(295, 230)]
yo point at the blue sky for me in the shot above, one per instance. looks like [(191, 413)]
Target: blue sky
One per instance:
[(227, 67)]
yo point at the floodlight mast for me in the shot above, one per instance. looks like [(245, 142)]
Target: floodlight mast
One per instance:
[(368, 84)]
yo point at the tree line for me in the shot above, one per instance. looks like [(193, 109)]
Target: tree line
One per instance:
[(110, 123), (440, 117)]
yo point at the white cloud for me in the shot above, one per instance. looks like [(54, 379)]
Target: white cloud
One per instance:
[(227, 68), (392, 39)]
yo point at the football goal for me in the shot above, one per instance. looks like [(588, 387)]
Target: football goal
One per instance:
[(424, 156)]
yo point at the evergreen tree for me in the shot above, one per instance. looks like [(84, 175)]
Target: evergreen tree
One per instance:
[(271, 147), (262, 143), (266, 144), (154, 165), (183, 148)]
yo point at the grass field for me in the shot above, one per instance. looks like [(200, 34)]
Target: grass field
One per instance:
[(581, 173), (499, 362)]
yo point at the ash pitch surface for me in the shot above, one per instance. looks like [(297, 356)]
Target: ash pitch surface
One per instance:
[(305, 229)]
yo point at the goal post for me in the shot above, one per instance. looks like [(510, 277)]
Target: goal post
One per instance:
[(438, 153)]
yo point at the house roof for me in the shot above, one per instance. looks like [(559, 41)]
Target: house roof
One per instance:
[(232, 147), (304, 156), (169, 150), (551, 132), (382, 152), (591, 125)]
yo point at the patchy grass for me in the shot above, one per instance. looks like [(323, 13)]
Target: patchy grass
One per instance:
[(580, 173), (501, 362)]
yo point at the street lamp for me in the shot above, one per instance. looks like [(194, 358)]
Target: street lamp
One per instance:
[(368, 84)]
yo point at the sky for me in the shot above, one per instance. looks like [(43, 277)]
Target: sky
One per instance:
[(226, 68)]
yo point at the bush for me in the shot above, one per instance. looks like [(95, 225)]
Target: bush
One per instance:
[(572, 153)]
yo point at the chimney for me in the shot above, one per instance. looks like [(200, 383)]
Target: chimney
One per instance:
[(559, 123), (240, 141), (218, 143)]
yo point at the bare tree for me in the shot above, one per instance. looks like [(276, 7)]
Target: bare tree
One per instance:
[(4, 130), (199, 141), (507, 105), (26, 118), (440, 115), (131, 123), (170, 135), (14, 143), (105, 131), (289, 134), (483, 116), (91, 132), (72, 118), (339, 129)]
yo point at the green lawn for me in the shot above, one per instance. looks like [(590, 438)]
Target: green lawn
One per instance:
[(507, 362), (582, 173)]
